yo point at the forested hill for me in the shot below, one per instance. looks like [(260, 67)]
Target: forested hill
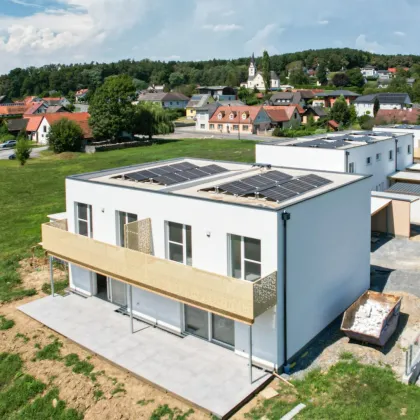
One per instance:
[(69, 78)]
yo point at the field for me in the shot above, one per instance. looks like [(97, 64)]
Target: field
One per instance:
[(46, 374)]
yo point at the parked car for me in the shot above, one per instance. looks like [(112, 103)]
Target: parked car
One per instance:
[(12, 156), (8, 144)]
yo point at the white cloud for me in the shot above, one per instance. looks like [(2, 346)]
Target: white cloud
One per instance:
[(323, 22), (399, 33), (25, 3), (223, 27), (228, 13), (362, 43), (262, 40)]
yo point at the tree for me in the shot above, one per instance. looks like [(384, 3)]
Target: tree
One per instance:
[(266, 70), (23, 150), (111, 111), (176, 79), (65, 136), (376, 106), (321, 74), (151, 119), (340, 112), (340, 80), (298, 77), (353, 114), (355, 77)]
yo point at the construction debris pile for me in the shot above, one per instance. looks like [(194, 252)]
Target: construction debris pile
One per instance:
[(369, 317)]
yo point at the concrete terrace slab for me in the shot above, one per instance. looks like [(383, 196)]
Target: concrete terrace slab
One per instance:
[(202, 373)]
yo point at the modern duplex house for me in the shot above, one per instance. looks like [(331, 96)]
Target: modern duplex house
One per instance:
[(365, 104), (378, 154), (243, 256)]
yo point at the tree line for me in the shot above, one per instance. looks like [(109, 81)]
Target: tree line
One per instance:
[(67, 79)]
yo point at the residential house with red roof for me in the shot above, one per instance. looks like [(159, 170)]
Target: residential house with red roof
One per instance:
[(80, 118), (57, 101), (395, 116), (15, 110), (81, 95), (37, 108), (240, 119), (284, 116)]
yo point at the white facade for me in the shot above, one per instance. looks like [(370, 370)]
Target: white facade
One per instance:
[(318, 290), (363, 158), (42, 133), (367, 108), (256, 80), (402, 129), (369, 71)]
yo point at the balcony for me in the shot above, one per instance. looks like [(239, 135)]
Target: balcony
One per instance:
[(233, 298)]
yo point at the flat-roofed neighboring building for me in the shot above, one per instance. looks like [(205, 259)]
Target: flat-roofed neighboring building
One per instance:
[(373, 153), (198, 247)]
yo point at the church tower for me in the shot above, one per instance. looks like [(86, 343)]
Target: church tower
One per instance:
[(252, 71)]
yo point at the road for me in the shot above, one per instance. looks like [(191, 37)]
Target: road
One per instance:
[(4, 154)]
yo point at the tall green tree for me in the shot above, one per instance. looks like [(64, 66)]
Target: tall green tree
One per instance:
[(298, 77), (266, 70), (65, 136), (340, 80), (151, 120), (353, 114), (22, 150), (355, 77), (340, 112), (376, 106), (321, 74), (111, 109)]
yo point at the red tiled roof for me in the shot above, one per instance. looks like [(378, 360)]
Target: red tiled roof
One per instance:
[(281, 113), (409, 116), (299, 108), (12, 109), (81, 118), (29, 99), (393, 70), (52, 99), (34, 122), (237, 111), (34, 107), (81, 92), (333, 124)]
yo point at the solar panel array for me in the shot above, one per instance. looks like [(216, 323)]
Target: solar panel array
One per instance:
[(174, 174), (273, 185)]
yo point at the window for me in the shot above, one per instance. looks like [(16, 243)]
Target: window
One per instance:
[(351, 168), (409, 149), (179, 247), (84, 219), (378, 157), (170, 103), (122, 219), (202, 126), (398, 150), (219, 126), (44, 128), (245, 258), (235, 127), (368, 160), (245, 128), (211, 126), (391, 155)]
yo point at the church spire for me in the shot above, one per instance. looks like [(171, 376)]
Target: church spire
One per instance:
[(252, 59)]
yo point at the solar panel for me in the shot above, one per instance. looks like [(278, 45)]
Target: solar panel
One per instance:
[(161, 171), (297, 186), (183, 166), (235, 188), (315, 180), (258, 182), (276, 176), (213, 169), (170, 179), (140, 176), (277, 194)]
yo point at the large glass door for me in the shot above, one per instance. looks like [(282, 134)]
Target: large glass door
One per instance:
[(223, 330), (211, 327), (196, 322), (118, 292)]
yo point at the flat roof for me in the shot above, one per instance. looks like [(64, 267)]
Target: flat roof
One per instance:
[(414, 167), (337, 141), (399, 127), (377, 204), (207, 186), (406, 176), (394, 196)]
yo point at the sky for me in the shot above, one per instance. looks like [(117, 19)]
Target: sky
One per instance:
[(40, 32)]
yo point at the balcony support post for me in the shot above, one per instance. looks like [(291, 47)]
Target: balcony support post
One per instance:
[(250, 354), (130, 293), (51, 275)]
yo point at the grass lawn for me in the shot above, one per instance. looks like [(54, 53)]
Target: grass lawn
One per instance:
[(349, 390), (28, 194)]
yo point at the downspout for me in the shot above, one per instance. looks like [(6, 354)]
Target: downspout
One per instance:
[(396, 154), (285, 217), (346, 168)]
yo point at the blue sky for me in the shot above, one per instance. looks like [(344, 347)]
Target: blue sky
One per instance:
[(38, 32)]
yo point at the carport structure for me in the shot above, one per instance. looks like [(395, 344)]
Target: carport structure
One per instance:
[(391, 213)]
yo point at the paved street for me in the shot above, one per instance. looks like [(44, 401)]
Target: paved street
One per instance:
[(4, 154)]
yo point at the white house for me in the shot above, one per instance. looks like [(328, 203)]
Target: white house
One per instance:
[(365, 104), (203, 115), (256, 80), (166, 100), (199, 247), (369, 71), (414, 130), (377, 154)]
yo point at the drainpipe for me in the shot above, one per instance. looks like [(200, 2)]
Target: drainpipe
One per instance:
[(52, 276), (396, 155), (346, 168), (285, 217)]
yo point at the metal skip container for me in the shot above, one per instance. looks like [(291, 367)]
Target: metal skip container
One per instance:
[(372, 318)]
